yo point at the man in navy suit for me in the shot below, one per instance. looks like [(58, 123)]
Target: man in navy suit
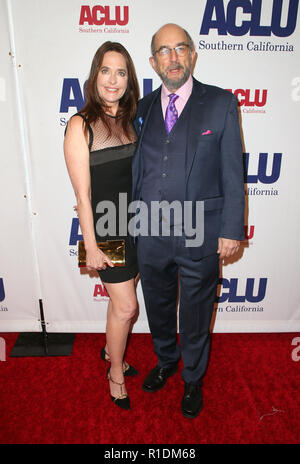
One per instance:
[(189, 152)]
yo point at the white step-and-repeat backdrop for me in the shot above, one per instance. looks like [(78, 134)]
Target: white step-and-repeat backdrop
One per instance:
[(250, 47)]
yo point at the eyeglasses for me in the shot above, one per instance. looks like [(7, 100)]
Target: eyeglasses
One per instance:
[(166, 51)]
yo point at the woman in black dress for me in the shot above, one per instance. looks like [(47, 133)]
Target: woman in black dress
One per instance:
[(99, 146)]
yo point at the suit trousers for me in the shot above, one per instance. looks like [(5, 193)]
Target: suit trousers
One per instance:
[(165, 266)]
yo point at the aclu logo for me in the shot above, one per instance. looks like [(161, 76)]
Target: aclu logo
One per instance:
[(100, 291), (238, 18), (247, 97), (247, 292), (249, 232), (75, 235), (2, 291), (99, 15), (72, 96), (267, 171), (2, 296)]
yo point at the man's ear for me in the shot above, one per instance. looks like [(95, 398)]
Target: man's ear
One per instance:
[(194, 59), (152, 62)]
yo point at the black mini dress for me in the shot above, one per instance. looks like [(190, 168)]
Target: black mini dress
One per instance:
[(111, 175)]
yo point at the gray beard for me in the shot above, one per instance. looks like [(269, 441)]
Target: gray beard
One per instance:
[(172, 84)]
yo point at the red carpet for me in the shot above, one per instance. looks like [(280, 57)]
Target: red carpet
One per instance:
[(251, 395)]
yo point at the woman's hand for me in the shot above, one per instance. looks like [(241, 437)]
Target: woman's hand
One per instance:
[(96, 259)]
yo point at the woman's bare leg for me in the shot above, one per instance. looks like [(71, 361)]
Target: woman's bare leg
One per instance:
[(121, 310)]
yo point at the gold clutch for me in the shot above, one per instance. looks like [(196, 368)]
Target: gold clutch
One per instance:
[(114, 249)]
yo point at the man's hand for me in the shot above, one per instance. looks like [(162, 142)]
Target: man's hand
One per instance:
[(227, 247)]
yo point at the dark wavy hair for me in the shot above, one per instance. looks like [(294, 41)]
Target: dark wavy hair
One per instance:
[(95, 107)]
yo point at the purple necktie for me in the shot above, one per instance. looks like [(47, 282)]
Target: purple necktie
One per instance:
[(171, 113)]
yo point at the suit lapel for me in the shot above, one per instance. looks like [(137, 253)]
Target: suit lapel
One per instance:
[(195, 119)]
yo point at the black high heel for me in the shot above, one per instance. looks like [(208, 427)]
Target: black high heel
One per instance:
[(128, 370), (122, 400), (103, 355)]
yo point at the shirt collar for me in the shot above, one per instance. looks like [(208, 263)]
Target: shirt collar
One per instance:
[(184, 91)]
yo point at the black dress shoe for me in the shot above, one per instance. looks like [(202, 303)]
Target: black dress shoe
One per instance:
[(192, 402), (157, 378)]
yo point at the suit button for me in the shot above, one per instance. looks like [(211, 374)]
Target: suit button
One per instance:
[(167, 141), (164, 175), (165, 158)]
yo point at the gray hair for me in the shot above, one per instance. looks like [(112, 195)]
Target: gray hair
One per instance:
[(189, 41)]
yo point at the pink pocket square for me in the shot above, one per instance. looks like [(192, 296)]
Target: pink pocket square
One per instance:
[(207, 132)]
